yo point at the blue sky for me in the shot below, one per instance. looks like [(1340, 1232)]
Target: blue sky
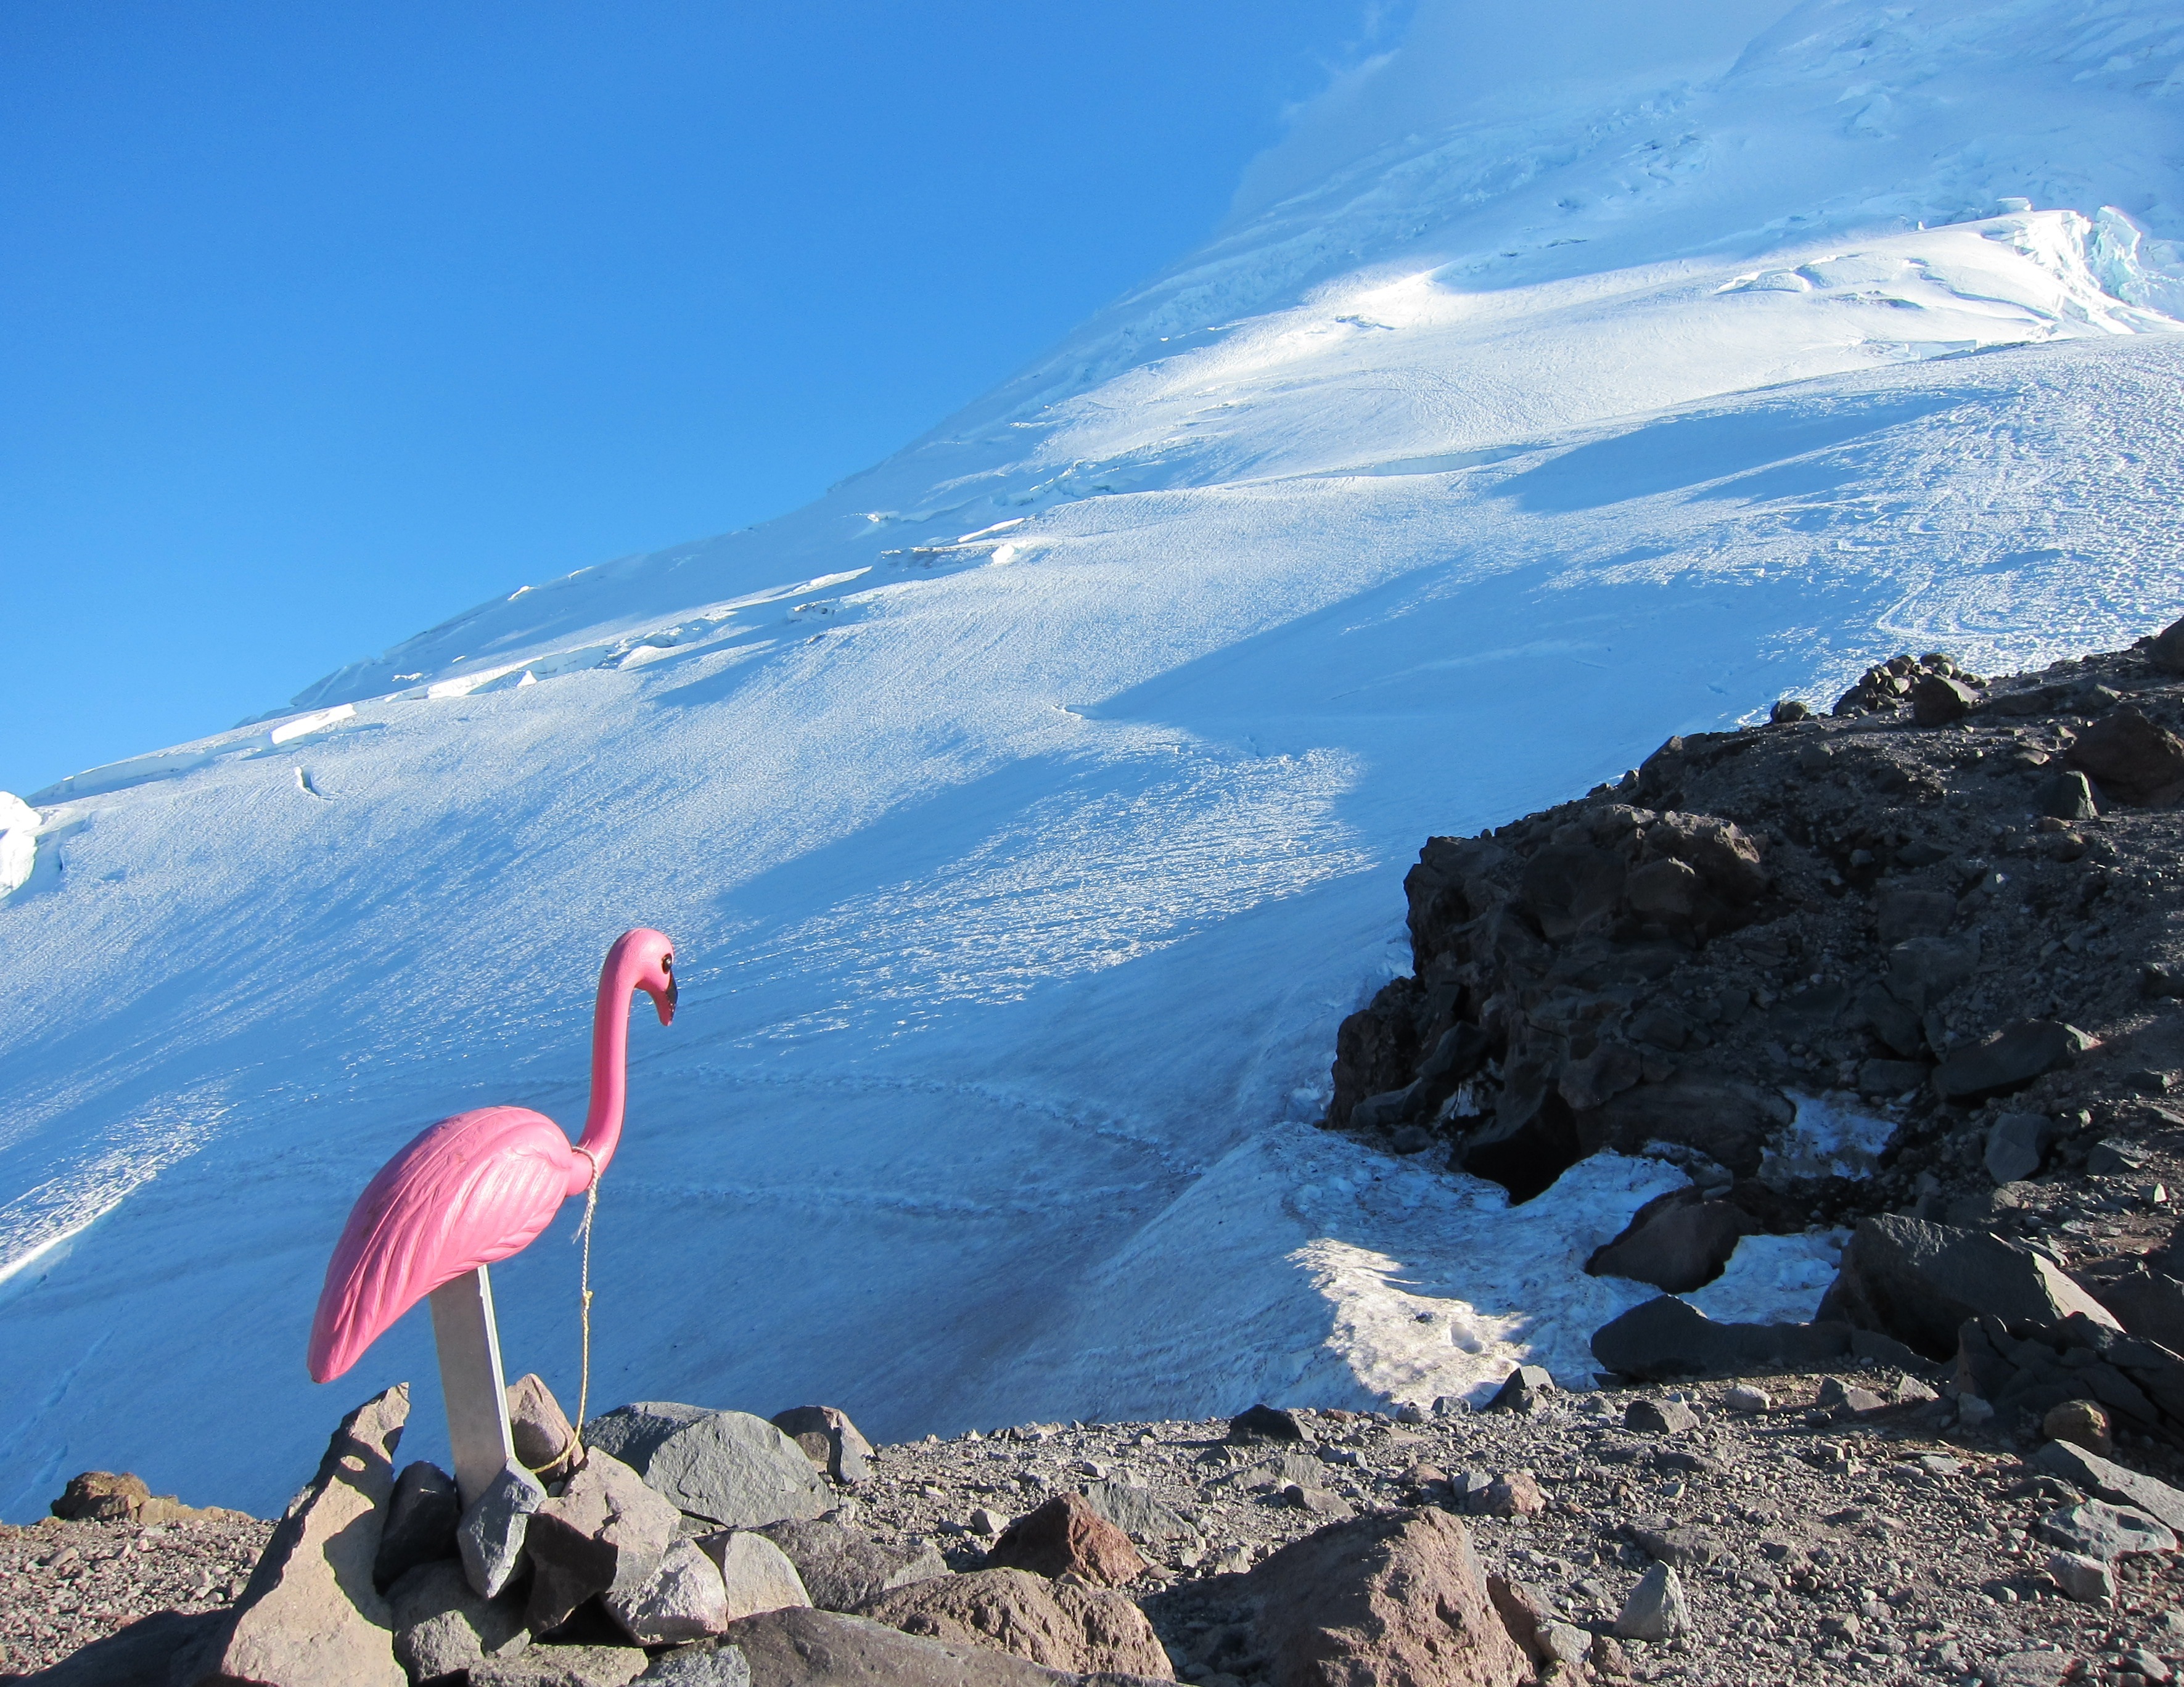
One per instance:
[(327, 321)]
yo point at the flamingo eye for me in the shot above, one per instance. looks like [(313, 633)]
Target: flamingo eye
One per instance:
[(667, 963)]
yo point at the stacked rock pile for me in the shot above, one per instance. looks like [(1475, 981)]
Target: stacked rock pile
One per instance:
[(1839, 1527)]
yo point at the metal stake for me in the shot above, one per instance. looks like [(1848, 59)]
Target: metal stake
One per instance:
[(470, 1379)]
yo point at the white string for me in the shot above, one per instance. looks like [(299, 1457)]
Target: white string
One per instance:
[(584, 1234)]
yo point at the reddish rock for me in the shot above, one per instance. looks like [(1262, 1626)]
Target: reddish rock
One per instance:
[(310, 1616), (545, 1441), (1395, 1598), (101, 1496), (1515, 1495), (1067, 1534), (1523, 1613), (1064, 1624)]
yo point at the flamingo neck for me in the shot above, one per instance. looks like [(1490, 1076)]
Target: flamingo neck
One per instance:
[(610, 1065)]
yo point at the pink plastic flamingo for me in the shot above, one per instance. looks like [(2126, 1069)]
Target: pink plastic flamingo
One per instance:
[(482, 1185)]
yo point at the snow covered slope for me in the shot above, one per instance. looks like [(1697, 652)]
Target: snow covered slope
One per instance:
[(1029, 811)]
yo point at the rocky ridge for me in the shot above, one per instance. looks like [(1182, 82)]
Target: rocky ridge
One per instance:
[(1848, 1526), (1920, 957)]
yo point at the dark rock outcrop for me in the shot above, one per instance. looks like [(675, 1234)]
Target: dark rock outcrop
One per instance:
[(1920, 1281)]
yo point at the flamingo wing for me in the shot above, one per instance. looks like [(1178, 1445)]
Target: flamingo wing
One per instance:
[(468, 1191)]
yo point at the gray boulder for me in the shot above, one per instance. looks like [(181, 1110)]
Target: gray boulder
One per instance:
[(2010, 1060), (2016, 1144), (1524, 1389), (1656, 1610), (1139, 1514), (2148, 1304), (1676, 1242), (1666, 1340), (829, 1440), (1922, 972), (841, 1568), (606, 1532), (633, 1433), (2067, 795), (2100, 1530), (2113, 1482), (812, 1648), (1920, 1281), (1659, 1417), (756, 1574), (491, 1535), (701, 1667), (726, 1468), (310, 1615), (420, 1523), (442, 1626), (562, 1666), (681, 1600)]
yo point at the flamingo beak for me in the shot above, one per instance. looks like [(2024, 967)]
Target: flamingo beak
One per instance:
[(664, 1001)]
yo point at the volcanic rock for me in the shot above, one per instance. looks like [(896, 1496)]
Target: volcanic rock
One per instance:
[(103, 1496), (1920, 1281), (1397, 1597), (633, 1433), (442, 1626), (1677, 1242), (841, 1568), (1066, 1534), (561, 1666), (1524, 1389), (2016, 1144), (2010, 1060), (545, 1441), (1265, 1423), (1659, 1416), (310, 1616), (1139, 1515), (683, 1599), (2113, 1482), (812, 1648), (491, 1535), (605, 1532), (2132, 759), (1656, 1609), (420, 1523), (757, 1574), (736, 1470), (2101, 1530), (2147, 1303), (2085, 1580), (829, 1440), (1666, 1340), (1063, 1624)]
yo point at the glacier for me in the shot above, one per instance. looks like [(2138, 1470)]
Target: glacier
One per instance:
[(1029, 810)]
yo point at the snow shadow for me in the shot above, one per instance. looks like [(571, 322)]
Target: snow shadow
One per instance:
[(1681, 452)]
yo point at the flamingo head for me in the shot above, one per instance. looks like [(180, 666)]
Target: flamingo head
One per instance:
[(652, 955)]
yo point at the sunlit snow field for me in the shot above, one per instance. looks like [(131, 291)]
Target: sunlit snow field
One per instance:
[(1030, 811)]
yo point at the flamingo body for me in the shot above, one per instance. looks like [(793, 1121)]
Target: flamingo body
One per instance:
[(480, 1186), (469, 1191)]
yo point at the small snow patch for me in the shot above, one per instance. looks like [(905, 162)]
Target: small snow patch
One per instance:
[(1828, 1138)]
